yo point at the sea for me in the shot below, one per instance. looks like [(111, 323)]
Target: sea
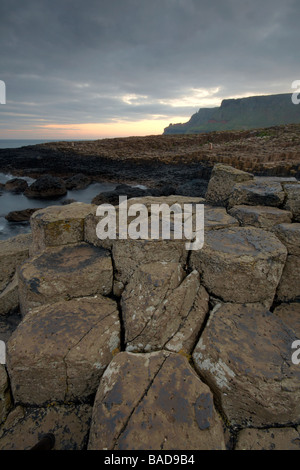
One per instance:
[(17, 143), (15, 202)]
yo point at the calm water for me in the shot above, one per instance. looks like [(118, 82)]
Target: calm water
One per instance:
[(13, 144), (16, 202), (16, 143)]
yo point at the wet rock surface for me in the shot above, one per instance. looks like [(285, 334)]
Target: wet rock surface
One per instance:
[(16, 185), (46, 187), (78, 181), (20, 216)]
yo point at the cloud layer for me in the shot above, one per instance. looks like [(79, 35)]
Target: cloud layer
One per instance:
[(73, 61)]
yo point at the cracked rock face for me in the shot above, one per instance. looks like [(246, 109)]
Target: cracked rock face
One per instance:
[(158, 412), (245, 357), (257, 193), (240, 264), (63, 273), (59, 351), (128, 255), (260, 216), (162, 308)]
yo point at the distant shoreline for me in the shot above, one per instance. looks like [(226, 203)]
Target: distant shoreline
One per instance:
[(161, 159)]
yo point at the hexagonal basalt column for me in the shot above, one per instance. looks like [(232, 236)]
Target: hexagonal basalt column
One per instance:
[(59, 351), (242, 265), (64, 273), (59, 225), (154, 401), (245, 357)]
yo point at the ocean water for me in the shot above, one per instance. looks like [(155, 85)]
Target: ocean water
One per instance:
[(15, 202), (16, 143)]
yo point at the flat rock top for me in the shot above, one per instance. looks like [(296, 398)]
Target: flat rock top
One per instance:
[(76, 210), (217, 217), (261, 186), (170, 200), (240, 241), (278, 179), (59, 326), (259, 210), (231, 171), (169, 407), (66, 259), (264, 353)]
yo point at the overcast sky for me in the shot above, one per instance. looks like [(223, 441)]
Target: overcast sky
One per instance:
[(91, 68)]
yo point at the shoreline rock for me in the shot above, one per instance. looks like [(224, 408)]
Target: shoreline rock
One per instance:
[(119, 336), (46, 187)]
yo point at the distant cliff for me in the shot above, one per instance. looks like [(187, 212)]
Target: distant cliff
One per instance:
[(241, 114)]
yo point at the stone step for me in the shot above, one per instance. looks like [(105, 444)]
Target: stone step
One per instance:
[(163, 308), (168, 406), (240, 264), (260, 216), (59, 351), (58, 225), (63, 273), (245, 356)]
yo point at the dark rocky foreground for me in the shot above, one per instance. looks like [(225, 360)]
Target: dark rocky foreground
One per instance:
[(127, 344), (160, 160)]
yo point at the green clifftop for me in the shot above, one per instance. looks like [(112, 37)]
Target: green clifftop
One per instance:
[(241, 114)]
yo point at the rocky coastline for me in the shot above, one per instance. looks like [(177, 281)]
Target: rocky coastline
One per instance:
[(142, 344), (160, 159)]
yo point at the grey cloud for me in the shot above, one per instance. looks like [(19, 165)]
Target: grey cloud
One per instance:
[(72, 61)]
